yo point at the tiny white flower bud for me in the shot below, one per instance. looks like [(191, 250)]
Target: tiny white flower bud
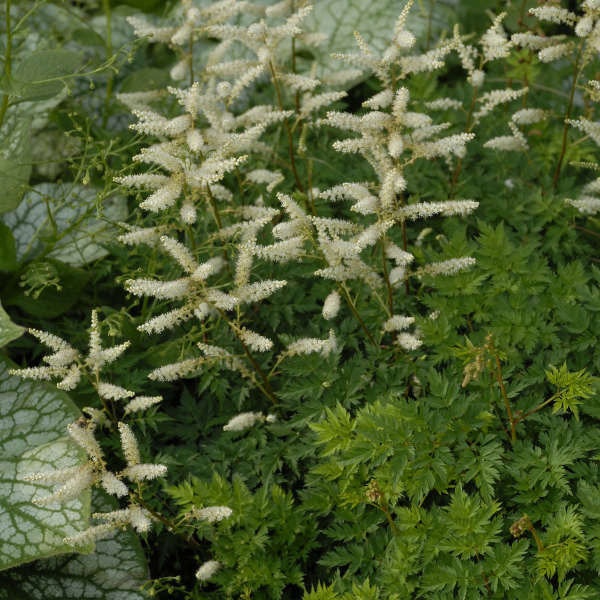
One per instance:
[(142, 403), (187, 212), (113, 392), (144, 472), (395, 145), (129, 445), (223, 89), (331, 306), (89, 535), (113, 485), (255, 341), (477, 78), (180, 70), (194, 140), (212, 514), (207, 570), (409, 341), (139, 518), (398, 323), (243, 421)]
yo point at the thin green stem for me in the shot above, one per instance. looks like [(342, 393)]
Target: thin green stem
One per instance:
[(429, 19), (498, 374), (567, 115), (594, 233), (458, 168), (538, 407), (388, 516), (386, 277), (287, 129), (536, 537), (265, 387), (218, 222), (521, 20), (191, 51), (109, 49), (166, 522), (297, 94), (356, 314), (7, 62)]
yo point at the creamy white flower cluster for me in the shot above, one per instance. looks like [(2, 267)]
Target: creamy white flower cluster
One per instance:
[(494, 44), (246, 420), (263, 39), (588, 203), (73, 481), (406, 340), (197, 149), (192, 22), (550, 48), (389, 136), (69, 366)]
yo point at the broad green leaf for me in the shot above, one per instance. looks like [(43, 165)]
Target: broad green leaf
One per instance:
[(146, 79), (51, 300), (33, 418), (8, 251), (66, 216), (15, 162), (40, 75), (8, 330), (114, 571)]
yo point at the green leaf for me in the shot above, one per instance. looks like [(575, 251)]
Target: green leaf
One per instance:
[(88, 37), (66, 216), (51, 300), (115, 570), (33, 418), (15, 163), (41, 75), (573, 387), (8, 330), (335, 431), (146, 79), (8, 251), (321, 592)]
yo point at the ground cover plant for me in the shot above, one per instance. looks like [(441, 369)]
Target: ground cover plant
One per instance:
[(299, 300)]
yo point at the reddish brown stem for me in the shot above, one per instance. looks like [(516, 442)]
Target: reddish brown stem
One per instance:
[(288, 131)]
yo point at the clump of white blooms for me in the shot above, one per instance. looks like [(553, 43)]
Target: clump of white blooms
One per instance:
[(212, 514), (587, 27), (587, 205), (310, 345), (528, 116), (554, 14), (207, 570), (490, 100), (494, 42), (69, 365), (209, 157), (331, 306), (246, 420), (515, 142)]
